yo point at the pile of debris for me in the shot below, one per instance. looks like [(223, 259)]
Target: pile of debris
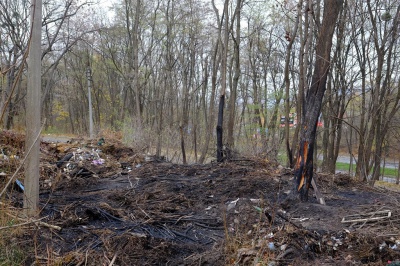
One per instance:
[(75, 158)]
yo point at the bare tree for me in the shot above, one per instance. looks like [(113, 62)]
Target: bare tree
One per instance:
[(290, 36), (13, 45), (335, 101), (385, 102), (236, 74)]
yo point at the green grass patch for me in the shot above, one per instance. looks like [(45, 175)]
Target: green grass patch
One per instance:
[(344, 167), (12, 255), (389, 172)]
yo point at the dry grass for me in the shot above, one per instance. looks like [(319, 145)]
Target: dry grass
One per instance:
[(248, 247), (387, 185), (110, 134), (11, 249)]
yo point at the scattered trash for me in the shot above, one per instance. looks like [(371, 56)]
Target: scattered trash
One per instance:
[(80, 162), (209, 207), (65, 159), (48, 182), (301, 219), (258, 209), (101, 142), (4, 157), (232, 204), (20, 185), (382, 246), (255, 200), (98, 161), (271, 246)]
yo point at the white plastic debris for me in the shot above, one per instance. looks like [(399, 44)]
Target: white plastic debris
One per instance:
[(232, 204), (255, 200), (271, 246), (98, 161), (382, 246)]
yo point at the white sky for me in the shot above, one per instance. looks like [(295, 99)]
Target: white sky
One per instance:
[(106, 5)]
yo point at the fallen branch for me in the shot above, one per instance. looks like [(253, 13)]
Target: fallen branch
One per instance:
[(36, 222), (55, 227), (367, 217), (113, 259), (16, 225), (318, 194)]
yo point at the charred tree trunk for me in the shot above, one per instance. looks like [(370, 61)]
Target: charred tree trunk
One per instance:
[(220, 155), (184, 160), (220, 151), (304, 166)]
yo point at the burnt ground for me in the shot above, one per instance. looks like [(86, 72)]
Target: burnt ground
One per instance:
[(115, 206)]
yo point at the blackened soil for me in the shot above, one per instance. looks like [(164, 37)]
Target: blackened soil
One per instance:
[(132, 211)]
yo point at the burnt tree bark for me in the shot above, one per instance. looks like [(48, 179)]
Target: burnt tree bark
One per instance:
[(219, 129), (312, 105)]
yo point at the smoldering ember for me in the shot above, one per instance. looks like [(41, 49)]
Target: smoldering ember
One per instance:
[(102, 203)]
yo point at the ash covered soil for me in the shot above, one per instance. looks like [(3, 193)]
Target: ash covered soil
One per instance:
[(115, 206)]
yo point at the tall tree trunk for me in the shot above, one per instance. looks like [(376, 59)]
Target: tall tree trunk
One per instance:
[(219, 129), (306, 37), (235, 81), (304, 166), (209, 119), (10, 82), (290, 37), (135, 47)]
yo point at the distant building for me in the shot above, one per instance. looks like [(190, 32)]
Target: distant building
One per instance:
[(293, 121)]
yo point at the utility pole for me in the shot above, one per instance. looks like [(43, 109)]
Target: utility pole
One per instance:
[(89, 81), (32, 141)]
